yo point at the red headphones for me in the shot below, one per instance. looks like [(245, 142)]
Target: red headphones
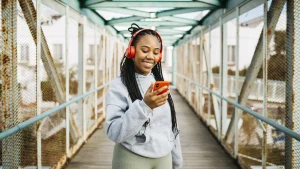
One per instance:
[(130, 51)]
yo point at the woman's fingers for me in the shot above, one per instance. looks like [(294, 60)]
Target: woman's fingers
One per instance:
[(156, 92), (162, 98)]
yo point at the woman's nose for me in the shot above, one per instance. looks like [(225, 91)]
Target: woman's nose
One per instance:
[(151, 56)]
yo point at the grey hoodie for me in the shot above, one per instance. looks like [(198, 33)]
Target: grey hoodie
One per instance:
[(136, 126)]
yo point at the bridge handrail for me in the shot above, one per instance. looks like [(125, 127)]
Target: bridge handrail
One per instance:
[(33, 120), (253, 113)]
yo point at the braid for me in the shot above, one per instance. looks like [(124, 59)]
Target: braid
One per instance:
[(128, 75)]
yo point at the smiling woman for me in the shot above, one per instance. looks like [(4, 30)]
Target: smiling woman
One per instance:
[(132, 107)]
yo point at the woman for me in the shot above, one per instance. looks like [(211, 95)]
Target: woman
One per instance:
[(142, 123)]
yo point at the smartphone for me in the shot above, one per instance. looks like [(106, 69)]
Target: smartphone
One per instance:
[(160, 84)]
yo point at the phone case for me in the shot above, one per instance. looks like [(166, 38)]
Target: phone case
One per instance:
[(160, 84)]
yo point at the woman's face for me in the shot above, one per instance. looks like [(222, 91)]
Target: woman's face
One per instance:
[(146, 54)]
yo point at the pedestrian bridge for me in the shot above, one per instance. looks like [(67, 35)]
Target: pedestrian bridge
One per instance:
[(233, 66)]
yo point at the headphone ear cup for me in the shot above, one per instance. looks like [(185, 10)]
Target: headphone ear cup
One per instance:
[(160, 54), (130, 52), (160, 57)]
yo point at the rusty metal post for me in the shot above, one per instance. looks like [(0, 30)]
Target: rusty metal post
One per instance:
[(11, 146), (292, 147), (265, 82)]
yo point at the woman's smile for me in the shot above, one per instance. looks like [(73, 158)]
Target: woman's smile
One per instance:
[(148, 64)]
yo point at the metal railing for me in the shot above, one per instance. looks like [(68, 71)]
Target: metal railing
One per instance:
[(247, 110), (27, 123)]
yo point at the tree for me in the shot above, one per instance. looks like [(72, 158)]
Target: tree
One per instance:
[(277, 64)]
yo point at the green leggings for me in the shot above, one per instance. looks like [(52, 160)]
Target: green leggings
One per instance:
[(125, 159)]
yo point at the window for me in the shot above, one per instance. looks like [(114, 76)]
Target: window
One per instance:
[(24, 52), (57, 52), (231, 54)]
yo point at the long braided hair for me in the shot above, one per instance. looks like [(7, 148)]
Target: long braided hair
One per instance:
[(128, 74)]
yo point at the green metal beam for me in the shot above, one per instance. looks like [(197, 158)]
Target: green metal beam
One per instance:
[(171, 27), (170, 34), (212, 2), (92, 2), (169, 38), (157, 23), (177, 19), (162, 33), (173, 31), (122, 20), (180, 11), (148, 14), (214, 15), (93, 16), (138, 18), (158, 4), (90, 14), (127, 11)]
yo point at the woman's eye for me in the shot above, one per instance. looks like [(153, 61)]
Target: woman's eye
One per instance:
[(145, 51)]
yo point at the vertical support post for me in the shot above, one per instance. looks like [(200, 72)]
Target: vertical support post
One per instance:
[(296, 82), (237, 56), (292, 150), (189, 73), (96, 69), (104, 71), (224, 78), (221, 82), (265, 79), (197, 88), (84, 114), (109, 54), (208, 59), (174, 66), (67, 80), (38, 81), (11, 146), (201, 71), (80, 73)]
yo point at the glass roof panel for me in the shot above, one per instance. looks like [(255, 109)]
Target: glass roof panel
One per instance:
[(151, 9), (184, 28), (111, 15), (193, 15), (121, 28)]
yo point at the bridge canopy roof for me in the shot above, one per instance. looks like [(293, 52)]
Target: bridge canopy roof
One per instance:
[(173, 19)]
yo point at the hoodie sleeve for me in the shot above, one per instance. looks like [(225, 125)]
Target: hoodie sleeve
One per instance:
[(123, 122), (177, 154)]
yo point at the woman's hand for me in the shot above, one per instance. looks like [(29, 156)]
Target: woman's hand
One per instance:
[(153, 100)]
